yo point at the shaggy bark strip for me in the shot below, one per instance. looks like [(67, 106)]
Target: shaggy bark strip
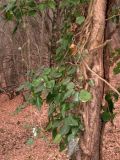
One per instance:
[(90, 140)]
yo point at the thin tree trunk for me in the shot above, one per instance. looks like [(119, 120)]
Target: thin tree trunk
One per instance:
[(90, 140)]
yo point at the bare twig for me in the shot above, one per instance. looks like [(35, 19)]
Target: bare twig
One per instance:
[(102, 79), (113, 16), (100, 46)]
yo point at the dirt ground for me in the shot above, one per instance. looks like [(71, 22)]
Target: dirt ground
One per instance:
[(16, 134), (111, 139)]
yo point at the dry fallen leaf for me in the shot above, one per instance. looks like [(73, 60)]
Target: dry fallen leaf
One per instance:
[(73, 48)]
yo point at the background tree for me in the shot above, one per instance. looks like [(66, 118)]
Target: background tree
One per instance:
[(24, 50)]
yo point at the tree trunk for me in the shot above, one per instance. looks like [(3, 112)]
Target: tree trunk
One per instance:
[(27, 49), (94, 34)]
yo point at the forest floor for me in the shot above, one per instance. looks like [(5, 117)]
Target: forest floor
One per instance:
[(16, 137)]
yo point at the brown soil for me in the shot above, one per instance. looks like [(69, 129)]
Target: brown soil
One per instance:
[(16, 130), (111, 139)]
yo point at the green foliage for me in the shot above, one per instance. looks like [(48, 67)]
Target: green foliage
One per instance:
[(85, 96), (108, 114), (116, 70), (57, 86), (30, 141), (115, 55), (114, 14), (80, 20), (15, 10), (68, 3), (46, 4)]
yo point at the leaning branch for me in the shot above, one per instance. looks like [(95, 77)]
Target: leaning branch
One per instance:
[(102, 79), (116, 15), (100, 46)]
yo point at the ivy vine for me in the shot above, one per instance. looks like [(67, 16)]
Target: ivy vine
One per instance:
[(58, 86)]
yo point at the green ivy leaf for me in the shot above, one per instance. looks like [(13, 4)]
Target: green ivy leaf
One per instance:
[(116, 70), (50, 84), (47, 71), (65, 130), (42, 6), (9, 15), (39, 88), (71, 70), (76, 97), (64, 108), (71, 137), (49, 126), (30, 141), (62, 146), (54, 133), (65, 81), (39, 103), (50, 97), (36, 82), (110, 102), (56, 124), (80, 20), (75, 131), (70, 85), (51, 4), (32, 12), (56, 74), (70, 121), (58, 138), (18, 13), (31, 3), (68, 94), (106, 116), (51, 109), (85, 96)]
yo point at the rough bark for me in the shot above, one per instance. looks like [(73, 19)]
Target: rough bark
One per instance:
[(90, 140), (27, 49)]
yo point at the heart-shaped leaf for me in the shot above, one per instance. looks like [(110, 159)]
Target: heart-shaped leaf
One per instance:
[(85, 96)]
